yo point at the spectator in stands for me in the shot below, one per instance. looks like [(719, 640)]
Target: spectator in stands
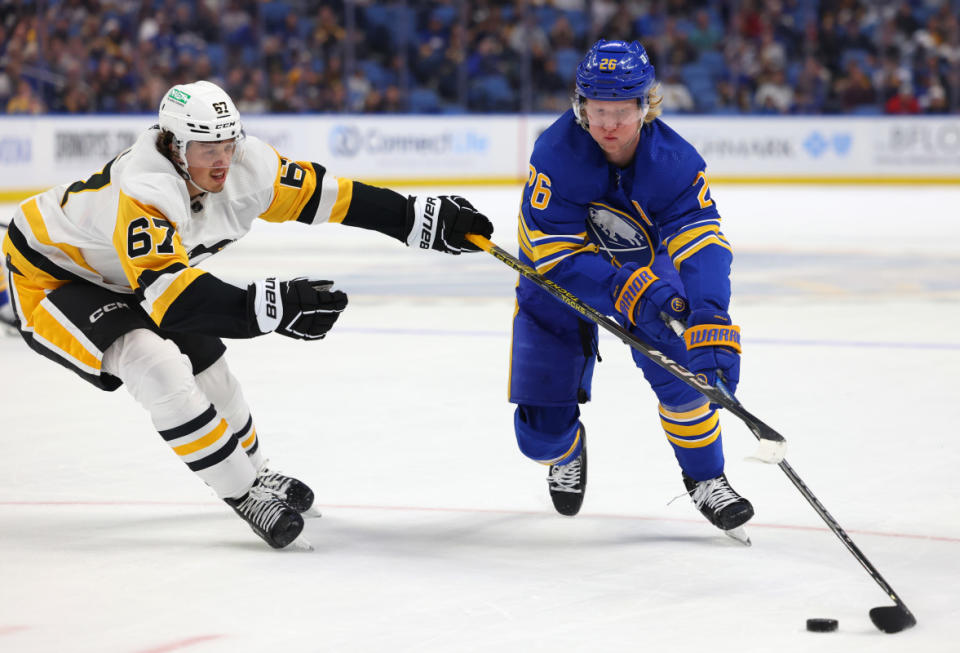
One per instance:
[(903, 102), (676, 95), (855, 89), (935, 100), (25, 100), (705, 36), (774, 95), (812, 86), (86, 56)]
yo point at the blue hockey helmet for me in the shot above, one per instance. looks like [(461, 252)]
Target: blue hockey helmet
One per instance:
[(615, 70)]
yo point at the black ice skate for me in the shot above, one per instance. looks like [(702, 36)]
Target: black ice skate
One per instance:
[(568, 482), (719, 503), (270, 517), (293, 491)]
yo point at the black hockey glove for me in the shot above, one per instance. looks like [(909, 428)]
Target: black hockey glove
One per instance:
[(301, 308), (441, 223)]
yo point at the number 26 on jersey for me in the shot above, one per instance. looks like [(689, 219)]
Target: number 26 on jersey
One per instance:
[(540, 183)]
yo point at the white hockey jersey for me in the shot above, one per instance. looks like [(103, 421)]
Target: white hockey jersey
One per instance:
[(132, 227)]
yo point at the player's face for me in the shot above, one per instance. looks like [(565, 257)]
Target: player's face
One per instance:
[(615, 126), (209, 163)]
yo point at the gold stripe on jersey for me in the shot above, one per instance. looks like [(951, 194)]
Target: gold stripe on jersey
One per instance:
[(160, 294), (294, 185), (39, 228), (342, 203), (52, 329), (546, 250), (32, 284), (694, 238)]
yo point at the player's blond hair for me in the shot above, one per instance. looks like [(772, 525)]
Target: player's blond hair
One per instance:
[(655, 98)]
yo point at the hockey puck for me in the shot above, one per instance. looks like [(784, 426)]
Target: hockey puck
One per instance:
[(822, 625)]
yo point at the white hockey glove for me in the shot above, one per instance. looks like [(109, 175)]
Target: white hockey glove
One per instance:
[(442, 222), (301, 308)]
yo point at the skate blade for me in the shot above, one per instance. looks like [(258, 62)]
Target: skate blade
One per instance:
[(299, 544), (311, 513), (770, 452), (740, 535)]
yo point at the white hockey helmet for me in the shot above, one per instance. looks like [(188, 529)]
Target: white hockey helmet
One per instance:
[(203, 112)]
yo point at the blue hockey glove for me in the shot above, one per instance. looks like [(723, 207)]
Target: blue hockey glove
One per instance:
[(647, 302), (713, 344)]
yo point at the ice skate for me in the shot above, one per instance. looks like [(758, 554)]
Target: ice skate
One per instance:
[(295, 492), (721, 505), (271, 518), (568, 483)]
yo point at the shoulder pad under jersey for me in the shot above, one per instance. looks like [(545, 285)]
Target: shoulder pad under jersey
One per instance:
[(665, 158), (148, 177)]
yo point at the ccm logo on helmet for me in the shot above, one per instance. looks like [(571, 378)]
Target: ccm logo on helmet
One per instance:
[(106, 308)]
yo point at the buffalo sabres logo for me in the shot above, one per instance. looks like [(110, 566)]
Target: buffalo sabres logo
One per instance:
[(618, 237)]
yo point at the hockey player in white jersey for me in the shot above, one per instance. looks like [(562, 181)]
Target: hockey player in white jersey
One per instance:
[(103, 280)]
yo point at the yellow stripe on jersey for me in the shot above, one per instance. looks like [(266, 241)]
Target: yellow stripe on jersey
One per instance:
[(643, 215), (293, 188), (546, 250), (39, 280), (203, 441), (39, 228), (47, 327), (159, 306), (690, 241), (342, 203)]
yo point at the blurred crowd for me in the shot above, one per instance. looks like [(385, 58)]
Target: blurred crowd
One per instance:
[(455, 56)]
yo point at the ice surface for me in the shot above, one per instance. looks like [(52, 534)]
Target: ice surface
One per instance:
[(437, 535)]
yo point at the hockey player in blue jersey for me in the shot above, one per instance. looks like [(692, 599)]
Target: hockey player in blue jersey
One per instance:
[(617, 210)]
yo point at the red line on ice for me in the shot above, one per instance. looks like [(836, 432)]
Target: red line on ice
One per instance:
[(9, 630), (183, 643)]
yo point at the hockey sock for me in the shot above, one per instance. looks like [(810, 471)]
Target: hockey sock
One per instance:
[(161, 379), (222, 388), (694, 434)]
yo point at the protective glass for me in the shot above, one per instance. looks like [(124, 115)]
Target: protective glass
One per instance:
[(613, 114), (214, 154)]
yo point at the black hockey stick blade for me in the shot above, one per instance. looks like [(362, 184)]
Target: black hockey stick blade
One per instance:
[(773, 446), (892, 618)]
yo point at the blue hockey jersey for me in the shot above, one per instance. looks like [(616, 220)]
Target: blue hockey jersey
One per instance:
[(582, 217)]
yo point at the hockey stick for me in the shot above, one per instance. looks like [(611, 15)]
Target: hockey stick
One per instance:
[(773, 446), (889, 619)]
